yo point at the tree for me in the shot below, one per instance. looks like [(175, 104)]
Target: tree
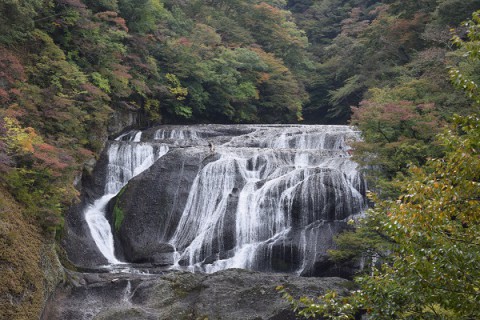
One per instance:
[(36, 173), (5, 160), (142, 16), (453, 12), (11, 72), (465, 75), (17, 18), (396, 135)]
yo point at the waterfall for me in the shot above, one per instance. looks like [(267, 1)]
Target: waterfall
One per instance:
[(132, 136), (175, 134), (264, 209), (127, 158), (292, 168), (127, 294), (263, 197), (100, 228)]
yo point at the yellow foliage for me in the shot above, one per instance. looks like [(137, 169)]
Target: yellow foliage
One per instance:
[(175, 87), (19, 139)]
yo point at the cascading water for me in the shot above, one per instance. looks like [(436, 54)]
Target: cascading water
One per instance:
[(176, 135), (294, 166), (100, 228), (127, 158), (269, 181), (267, 198)]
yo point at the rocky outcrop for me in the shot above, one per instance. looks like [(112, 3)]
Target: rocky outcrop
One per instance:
[(152, 204), (78, 242), (124, 116), (227, 295), (208, 198)]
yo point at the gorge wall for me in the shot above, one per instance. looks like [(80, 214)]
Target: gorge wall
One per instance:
[(212, 197)]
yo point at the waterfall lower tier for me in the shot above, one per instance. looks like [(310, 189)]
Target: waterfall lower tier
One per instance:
[(125, 161), (212, 197), (100, 228)]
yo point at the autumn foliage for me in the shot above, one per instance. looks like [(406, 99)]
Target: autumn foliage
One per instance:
[(11, 72)]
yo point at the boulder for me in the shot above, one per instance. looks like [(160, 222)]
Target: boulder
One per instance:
[(152, 203)]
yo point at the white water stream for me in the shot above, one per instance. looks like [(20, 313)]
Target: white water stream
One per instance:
[(125, 161), (270, 180)]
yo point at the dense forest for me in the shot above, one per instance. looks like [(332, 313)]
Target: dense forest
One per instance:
[(66, 66)]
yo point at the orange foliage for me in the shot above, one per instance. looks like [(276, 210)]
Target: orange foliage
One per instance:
[(92, 92), (49, 156), (184, 42), (4, 96), (111, 16), (355, 23), (267, 9), (264, 76), (121, 71), (85, 152)]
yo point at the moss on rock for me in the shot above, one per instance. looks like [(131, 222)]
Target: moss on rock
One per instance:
[(118, 214)]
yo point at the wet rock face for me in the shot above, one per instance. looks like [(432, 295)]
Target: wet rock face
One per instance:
[(76, 239), (208, 198), (153, 203), (230, 294), (124, 116)]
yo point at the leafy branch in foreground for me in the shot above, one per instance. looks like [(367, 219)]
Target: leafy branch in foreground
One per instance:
[(465, 75), (330, 305)]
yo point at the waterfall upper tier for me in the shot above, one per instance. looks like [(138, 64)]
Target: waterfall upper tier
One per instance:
[(211, 197)]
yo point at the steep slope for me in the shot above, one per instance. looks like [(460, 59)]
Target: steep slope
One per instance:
[(29, 267)]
